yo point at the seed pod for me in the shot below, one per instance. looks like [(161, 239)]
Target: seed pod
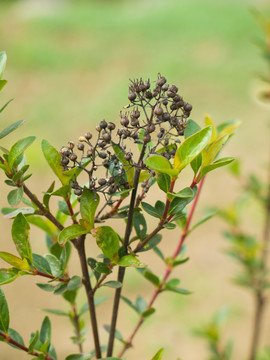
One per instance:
[(134, 122), (63, 150), (158, 110), (132, 96), (80, 146), (173, 88), (146, 85), (71, 145), (111, 126), (170, 94), (128, 156), (148, 95), (151, 128), (102, 182), (124, 121), (136, 114), (165, 102), (74, 184), (67, 153), (166, 116), (174, 121), (102, 155), (111, 180), (126, 132), (64, 161), (78, 192), (102, 144), (82, 138), (73, 157), (106, 164), (112, 189), (164, 87), (103, 124), (176, 98), (89, 153), (173, 107), (134, 136), (146, 138), (180, 104), (98, 128), (106, 137), (161, 81), (188, 107), (88, 135)]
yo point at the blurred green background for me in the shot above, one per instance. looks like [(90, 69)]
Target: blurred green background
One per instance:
[(69, 64)]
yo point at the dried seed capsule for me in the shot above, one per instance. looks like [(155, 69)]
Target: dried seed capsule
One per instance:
[(67, 153), (165, 102), (112, 189), (102, 181), (173, 88), (73, 157), (170, 94), (128, 156), (174, 121), (180, 104), (102, 144), (80, 146), (188, 107), (74, 184), (148, 95), (102, 155), (111, 126), (146, 138), (82, 138), (124, 121), (63, 150), (146, 85), (71, 145), (89, 153), (132, 96), (165, 87), (122, 181), (126, 185), (158, 110), (78, 192), (176, 98), (103, 124), (151, 128), (88, 135), (126, 132), (98, 128), (173, 107), (111, 180), (134, 136), (106, 164), (134, 122), (161, 81), (166, 116), (136, 114), (64, 161), (106, 137)]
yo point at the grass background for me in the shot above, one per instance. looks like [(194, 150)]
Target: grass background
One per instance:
[(69, 64)]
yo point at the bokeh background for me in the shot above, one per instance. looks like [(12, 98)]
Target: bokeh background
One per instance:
[(69, 64)]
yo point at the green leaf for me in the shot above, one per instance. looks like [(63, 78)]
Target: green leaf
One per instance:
[(191, 148), (178, 204), (4, 313), (88, 205), (216, 164), (2, 84), (148, 312), (150, 209), (155, 240), (54, 264), (141, 304), (45, 330), (196, 164), (42, 224), (102, 268), (139, 224), (203, 220), (15, 261), (46, 287), (15, 336), (208, 155), (177, 290), (158, 355), (79, 357), (151, 277), (70, 296), (41, 264), (18, 148), (191, 128), (54, 160), (15, 196), (129, 170), (107, 240), (130, 303), (3, 61), (34, 339), (117, 335), (56, 312), (164, 182), (113, 284), (20, 234), (8, 275), (10, 128), (74, 282), (130, 260), (161, 165), (71, 232), (6, 104), (185, 193)]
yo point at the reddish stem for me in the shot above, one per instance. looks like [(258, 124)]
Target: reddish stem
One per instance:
[(71, 210), (11, 341), (51, 276)]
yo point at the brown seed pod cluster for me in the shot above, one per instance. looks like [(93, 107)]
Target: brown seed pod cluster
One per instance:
[(155, 117)]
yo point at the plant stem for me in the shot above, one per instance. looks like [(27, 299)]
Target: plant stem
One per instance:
[(77, 327), (80, 246), (71, 210), (121, 271), (166, 274), (259, 294), (65, 279), (11, 341)]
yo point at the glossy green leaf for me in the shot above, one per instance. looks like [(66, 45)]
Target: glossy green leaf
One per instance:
[(19, 174), (148, 312), (107, 240), (45, 330), (54, 160), (15, 261), (15, 196), (18, 148), (34, 339), (10, 128), (79, 357), (3, 61), (56, 312), (128, 168), (228, 127), (20, 234), (46, 287), (178, 204), (71, 232), (42, 223), (74, 282), (70, 296), (209, 155), (4, 106), (8, 275), (4, 313), (54, 264), (130, 304), (164, 182), (102, 268), (150, 209), (41, 264), (196, 164), (2, 84), (141, 304), (130, 261), (191, 128), (216, 164), (184, 193), (117, 335), (158, 355), (161, 165), (151, 277), (139, 224), (177, 290), (203, 220), (191, 148), (209, 121), (88, 205), (113, 284), (15, 336)]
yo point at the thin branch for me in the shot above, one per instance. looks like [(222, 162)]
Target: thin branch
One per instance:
[(64, 279), (77, 327), (167, 273), (7, 338), (80, 246)]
